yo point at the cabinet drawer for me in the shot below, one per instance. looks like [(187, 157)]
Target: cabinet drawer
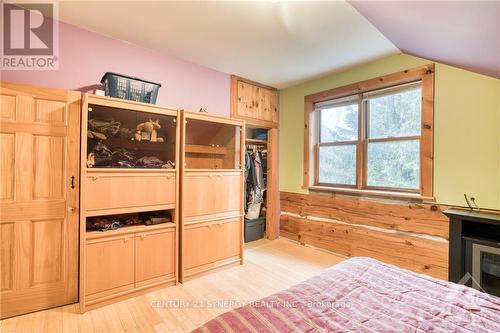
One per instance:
[(206, 243), (109, 264), (154, 255), (127, 190)]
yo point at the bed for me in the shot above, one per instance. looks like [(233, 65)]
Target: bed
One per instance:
[(365, 295)]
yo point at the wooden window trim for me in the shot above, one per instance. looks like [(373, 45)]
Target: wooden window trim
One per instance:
[(425, 74)]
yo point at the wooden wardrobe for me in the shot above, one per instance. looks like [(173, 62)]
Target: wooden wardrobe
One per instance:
[(258, 105), (134, 259), (211, 191)]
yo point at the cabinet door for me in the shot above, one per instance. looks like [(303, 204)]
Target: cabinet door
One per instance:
[(212, 241), (198, 194), (228, 193), (198, 247), (129, 190), (248, 100), (226, 238), (154, 255), (109, 264), (269, 105)]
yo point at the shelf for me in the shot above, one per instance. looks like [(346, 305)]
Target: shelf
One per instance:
[(205, 149), (127, 230), (256, 141), (212, 170), (135, 145), (116, 211), (131, 170)]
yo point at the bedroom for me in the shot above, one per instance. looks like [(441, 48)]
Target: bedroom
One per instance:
[(260, 166)]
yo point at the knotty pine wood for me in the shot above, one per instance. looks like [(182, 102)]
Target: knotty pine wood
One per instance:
[(270, 266), (410, 217), (394, 233)]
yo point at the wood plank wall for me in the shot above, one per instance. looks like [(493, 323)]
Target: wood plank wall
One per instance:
[(409, 235)]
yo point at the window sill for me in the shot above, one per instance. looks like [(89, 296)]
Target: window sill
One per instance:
[(373, 193)]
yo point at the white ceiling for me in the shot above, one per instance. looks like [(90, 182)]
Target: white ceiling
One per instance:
[(275, 43)]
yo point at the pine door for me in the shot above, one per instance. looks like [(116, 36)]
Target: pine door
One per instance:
[(39, 158)]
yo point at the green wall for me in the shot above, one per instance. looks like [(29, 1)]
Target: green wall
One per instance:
[(466, 129)]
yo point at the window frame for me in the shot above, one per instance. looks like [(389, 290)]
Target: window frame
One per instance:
[(424, 75)]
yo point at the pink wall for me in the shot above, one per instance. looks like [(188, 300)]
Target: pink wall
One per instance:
[(85, 56)]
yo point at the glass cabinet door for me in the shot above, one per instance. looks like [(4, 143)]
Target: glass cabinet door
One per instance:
[(212, 145), (118, 138)]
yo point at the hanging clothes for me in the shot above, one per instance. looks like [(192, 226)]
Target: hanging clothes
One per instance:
[(254, 178)]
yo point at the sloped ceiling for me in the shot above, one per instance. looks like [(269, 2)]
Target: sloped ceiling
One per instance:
[(275, 43), (281, 43), (465, 34)]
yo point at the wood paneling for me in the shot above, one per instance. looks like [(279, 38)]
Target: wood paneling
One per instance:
[(408, 235), (8, 107), (49, 157), (47, 257), (417, 254), (410, 217), (6, 255), (7, 152), (50, 111)]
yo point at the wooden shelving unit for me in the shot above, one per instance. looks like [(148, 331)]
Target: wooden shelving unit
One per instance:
[(120, 263), (211, 232)]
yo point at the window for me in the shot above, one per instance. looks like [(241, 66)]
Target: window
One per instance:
[(375, 139)]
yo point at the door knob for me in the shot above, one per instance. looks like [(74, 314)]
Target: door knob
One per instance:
[(71, 210)]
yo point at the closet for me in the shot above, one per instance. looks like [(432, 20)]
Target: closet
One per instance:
[(212, 200), (129, 191), (258, 105)]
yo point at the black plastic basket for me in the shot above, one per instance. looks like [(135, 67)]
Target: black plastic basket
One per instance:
[(131, 88)]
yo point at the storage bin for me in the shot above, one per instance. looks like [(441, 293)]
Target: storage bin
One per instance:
[(131, 88), (254, 229)]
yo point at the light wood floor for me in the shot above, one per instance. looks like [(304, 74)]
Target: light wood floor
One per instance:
[(269, 266)]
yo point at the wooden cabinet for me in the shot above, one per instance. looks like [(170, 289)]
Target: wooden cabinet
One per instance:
[(209, 242), (109, 264), (253, 102), (133, 258), (212, 205), (211, 193), (128, 177), (131, 190), (154, 255)]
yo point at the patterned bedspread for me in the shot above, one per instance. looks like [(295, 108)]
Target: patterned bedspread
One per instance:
[(365, 295)]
